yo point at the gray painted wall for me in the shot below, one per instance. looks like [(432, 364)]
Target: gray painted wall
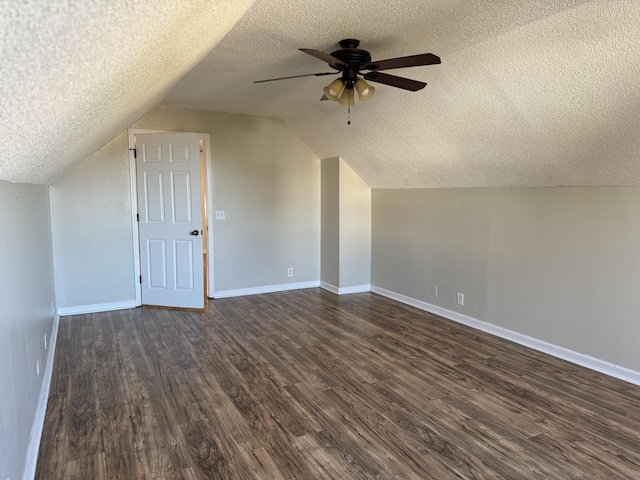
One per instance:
[(92, 230), (346, 226), (355, 229), (26, 293), (558, 264), (330, 257), (268, 182), (264, 177)]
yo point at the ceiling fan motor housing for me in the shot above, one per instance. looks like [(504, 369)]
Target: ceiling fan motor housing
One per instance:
[(352, 56)]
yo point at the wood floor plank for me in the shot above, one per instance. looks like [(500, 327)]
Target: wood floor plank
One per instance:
[(329, 463), (53, 455), (309, 385), (84, 437)]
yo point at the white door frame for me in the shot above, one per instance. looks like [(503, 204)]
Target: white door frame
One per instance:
[(208, 195)]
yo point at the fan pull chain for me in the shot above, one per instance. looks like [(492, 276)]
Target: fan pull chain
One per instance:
[(349, 116)]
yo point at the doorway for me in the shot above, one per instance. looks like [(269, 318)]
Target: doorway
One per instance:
[(172, 250)]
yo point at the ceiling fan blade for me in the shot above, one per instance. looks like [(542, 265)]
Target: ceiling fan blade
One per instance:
[(330, 59), (296, 76), (400, 82), (402, 62)]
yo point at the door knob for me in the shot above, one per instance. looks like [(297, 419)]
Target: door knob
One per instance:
[(195, 233)]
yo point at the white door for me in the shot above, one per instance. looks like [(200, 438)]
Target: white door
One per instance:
[(168, 174)]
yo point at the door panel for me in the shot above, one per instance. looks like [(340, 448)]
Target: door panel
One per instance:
[(183, 254), (181, 197), (153, 197), (151, 153), (179, 153), (157, 263), (169, 195)]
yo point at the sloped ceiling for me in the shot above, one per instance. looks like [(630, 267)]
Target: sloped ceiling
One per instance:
[(540, 93), (76, 73)]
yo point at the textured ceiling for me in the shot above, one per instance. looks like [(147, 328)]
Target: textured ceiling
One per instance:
[(540, 93), (76, 73)]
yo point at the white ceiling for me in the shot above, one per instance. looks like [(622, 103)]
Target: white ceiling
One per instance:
[(538, 93), (74, 74)]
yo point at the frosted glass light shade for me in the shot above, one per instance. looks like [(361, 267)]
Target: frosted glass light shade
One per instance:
[(365, 91), (347, 98), (334, 89)]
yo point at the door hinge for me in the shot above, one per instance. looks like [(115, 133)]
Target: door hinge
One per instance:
[(140, 278), (135, 152), (137, 217)]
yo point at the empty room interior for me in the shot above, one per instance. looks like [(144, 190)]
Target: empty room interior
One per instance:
[(333, 240)]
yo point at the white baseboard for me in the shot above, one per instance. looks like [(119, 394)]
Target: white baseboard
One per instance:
[(98, 307), (41, 409), (345, 290), (265, 289), (354, 289), (581, 359), (329, 288)]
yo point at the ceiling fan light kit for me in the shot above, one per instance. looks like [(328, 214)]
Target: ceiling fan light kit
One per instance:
[(341, 92)]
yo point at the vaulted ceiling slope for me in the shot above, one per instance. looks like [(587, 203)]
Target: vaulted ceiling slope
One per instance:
[(76, 73), (539, 93)]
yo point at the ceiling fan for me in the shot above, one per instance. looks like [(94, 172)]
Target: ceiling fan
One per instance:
[(351, 61)]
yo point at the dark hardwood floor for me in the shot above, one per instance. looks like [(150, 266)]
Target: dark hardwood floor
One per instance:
[(306, 385)]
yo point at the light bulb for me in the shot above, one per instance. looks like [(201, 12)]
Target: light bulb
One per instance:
[(365, 91), (347, 98), (334, 89)]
